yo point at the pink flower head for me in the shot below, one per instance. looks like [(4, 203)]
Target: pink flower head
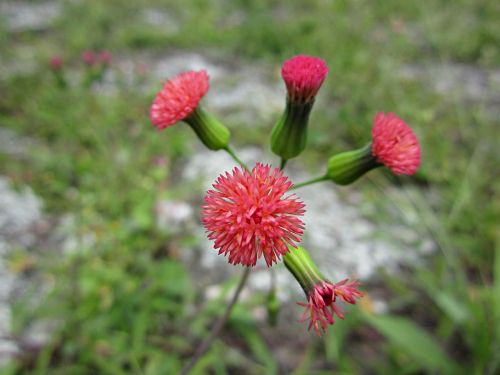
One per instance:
[(56, 62), (394, 144), (105, 57), (248, 215), (303, 76), (178, 98), (321, 308), (89, 57)]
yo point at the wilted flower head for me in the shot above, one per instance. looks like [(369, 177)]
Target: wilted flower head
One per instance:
[(303, 76), (89, 57), (394, 144), (321, 307), (249, 216), (178, 98), (322, 295)]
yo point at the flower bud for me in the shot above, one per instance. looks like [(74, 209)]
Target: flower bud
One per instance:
[(393, 145), (179, 101), (303, 76)]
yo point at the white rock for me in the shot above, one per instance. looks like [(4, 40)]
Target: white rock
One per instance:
[(172, 216), (29, 16)]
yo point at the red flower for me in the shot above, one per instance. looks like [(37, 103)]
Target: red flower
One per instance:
[(105, 57), (394, 144), (248, 215), (56, 63), (89, 57), (178, 98), (321, 308), (303, 76)]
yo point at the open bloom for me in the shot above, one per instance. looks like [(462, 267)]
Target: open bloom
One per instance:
[(249, 216), (303, 76), (321, 307), (178, 98), (394, 144)]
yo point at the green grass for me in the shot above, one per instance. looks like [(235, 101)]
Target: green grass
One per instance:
[(119, 309)]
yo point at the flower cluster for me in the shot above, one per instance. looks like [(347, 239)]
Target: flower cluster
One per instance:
[(303, 76), (394, 144), (248, 215), (178, 98), (251, 214), (91, 58)]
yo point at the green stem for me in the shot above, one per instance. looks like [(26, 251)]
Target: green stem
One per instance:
[(283, 163), (219, 324), (309, 182), (230, 151)]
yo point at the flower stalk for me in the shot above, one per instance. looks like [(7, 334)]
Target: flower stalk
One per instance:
[(217, 327)]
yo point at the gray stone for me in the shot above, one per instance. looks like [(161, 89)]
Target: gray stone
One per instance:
[(452, 80), (19, 212), (8, 350), (174, 216), (29, 16), (161, 18), (13, 144)]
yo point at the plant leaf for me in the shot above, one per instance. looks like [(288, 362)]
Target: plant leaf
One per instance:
[(408, 337)]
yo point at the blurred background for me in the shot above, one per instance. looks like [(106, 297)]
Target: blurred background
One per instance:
[(104, 266)]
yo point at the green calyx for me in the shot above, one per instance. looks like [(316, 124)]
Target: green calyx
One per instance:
[(209, 130), (302, 267), (289, 135), (347, 167)]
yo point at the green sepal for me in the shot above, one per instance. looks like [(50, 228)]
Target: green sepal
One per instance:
[(289, 135), (347, 167), (209, 130), (302, 267)]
